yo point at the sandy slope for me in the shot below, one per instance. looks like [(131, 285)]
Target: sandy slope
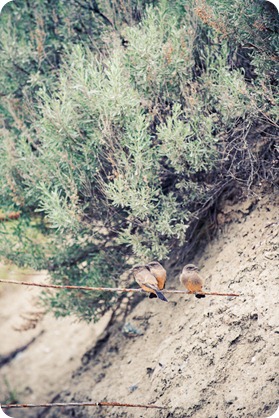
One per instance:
[(209, 358), (37, 373)]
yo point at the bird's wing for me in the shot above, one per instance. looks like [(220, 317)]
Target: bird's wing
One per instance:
[(151, 285)]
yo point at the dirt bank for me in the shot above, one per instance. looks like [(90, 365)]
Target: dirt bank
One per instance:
[(208, 358)]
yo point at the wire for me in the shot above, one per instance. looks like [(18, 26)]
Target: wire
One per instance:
[(63, 404), (110, 289)]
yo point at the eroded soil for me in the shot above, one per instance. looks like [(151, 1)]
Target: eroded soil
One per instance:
[(205, 358)]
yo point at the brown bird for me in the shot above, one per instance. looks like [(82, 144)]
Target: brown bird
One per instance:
[(148, 281), (192, 280), (159, 272)]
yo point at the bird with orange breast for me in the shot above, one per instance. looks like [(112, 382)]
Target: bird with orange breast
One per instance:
[(151, 278), (159, 272), (192, 280)]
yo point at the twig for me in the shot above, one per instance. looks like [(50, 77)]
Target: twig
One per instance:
[(109, 289), (63, 404)]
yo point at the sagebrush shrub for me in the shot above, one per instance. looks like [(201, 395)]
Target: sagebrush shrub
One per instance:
[(113, 149)]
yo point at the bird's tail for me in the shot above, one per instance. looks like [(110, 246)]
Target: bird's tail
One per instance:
[(199, 296), (158, 293), (161, 296)]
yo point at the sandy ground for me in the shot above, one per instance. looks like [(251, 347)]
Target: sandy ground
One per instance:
[(205, 358), (36, 374)]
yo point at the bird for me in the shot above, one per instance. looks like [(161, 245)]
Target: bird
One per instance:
[(160, 273), (147, 281), (192, 280)]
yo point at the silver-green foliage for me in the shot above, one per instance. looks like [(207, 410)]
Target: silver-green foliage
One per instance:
[(114, 154)]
